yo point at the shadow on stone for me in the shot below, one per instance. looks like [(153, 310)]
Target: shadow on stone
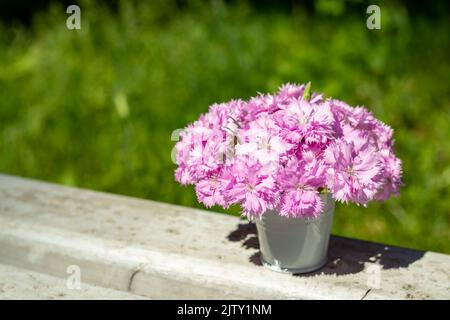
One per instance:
[(246, 234), (345, 256)]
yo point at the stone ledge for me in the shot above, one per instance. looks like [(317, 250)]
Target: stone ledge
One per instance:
[(16, 283), (165, 251)]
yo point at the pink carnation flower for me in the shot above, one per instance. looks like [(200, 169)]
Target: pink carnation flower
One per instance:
[(280, 151), (210, 191), (352, 170), (300, 183), (262, 141), (251, 187), (391, 174), (305, 122)]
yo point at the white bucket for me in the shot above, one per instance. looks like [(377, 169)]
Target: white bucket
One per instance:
[(295, 245)]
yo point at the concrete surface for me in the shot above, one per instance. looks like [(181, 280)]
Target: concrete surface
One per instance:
[(165, 251), (16, 283)]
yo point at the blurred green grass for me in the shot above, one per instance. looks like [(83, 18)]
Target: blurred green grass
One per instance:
[(95, 108)]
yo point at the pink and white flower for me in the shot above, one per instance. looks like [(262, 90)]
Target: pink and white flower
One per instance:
[(278, 152), (301, 183), (352, 170)]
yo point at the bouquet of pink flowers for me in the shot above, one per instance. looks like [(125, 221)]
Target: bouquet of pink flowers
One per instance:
[(280, 152)]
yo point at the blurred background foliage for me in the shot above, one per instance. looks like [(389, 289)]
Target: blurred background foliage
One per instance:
[(95, 108)]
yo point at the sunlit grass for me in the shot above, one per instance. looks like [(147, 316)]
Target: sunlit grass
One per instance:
[(96, 107)]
